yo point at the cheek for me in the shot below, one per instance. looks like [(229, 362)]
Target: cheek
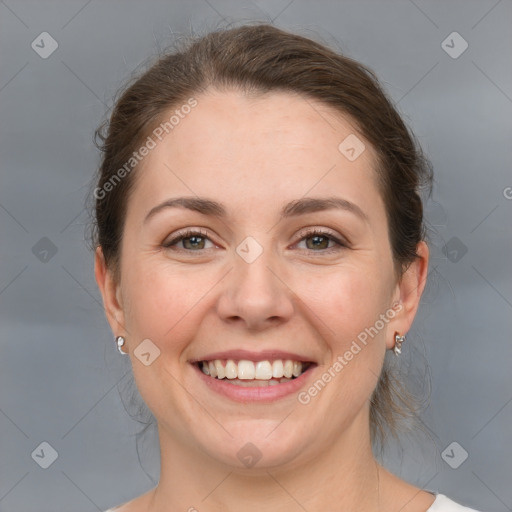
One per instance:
[(348, 301), (165, 307), (162, 302), (353, 305)]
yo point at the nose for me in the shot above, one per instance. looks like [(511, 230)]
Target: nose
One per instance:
[(255, 296)]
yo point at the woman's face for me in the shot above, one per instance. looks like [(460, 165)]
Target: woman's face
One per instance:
[(255, 283)]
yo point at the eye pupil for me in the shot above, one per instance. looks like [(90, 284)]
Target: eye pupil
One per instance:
[(193, 241), (319, 241)]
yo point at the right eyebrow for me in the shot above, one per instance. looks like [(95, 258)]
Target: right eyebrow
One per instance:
[(197, 204)]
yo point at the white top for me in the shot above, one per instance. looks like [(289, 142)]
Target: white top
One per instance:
[(441, 504), (444, 504)]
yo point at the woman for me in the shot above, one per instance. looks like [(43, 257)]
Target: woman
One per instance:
[(260, 246)]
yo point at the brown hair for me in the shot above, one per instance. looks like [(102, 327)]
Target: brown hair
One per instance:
[(260, 58)]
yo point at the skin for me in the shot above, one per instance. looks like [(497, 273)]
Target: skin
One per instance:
[(253, 155)]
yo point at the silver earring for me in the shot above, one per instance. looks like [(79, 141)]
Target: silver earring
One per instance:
[(398, 344), (120, 342)]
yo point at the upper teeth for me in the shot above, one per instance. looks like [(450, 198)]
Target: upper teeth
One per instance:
[(247, 370)]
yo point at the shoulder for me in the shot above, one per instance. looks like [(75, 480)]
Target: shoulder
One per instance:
[(444, 504)]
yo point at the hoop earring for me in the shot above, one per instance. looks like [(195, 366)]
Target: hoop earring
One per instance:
[(120, 342), (398, 344)]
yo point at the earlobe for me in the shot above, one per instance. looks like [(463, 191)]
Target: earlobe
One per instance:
[(110, 292)]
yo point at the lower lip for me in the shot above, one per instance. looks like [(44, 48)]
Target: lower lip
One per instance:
[(254, 394)]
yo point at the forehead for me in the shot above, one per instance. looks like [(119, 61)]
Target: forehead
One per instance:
[(270, 123), (262, 148)]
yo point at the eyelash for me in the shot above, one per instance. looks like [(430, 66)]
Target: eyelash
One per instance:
[(303, 235)]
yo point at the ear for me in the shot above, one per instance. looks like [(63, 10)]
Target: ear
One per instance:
[(408, 294), (111, 293)]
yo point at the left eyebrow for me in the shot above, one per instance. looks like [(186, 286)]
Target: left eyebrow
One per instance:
[(292, 209)]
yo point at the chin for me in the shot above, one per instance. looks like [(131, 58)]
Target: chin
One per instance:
[(256, 445)]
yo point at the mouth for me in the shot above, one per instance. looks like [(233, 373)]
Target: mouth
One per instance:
[(247, 373)]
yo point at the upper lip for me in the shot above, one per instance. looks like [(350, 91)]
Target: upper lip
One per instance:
[(264, 355)]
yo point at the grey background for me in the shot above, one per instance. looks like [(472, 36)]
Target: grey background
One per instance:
[(60, 374)]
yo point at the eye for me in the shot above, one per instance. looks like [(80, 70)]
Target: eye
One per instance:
[(191, 240), (318, 240)]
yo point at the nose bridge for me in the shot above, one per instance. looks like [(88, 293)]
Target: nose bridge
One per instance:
[(254, 276), (254, 294)]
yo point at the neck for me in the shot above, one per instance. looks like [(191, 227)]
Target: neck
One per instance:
[(345, 476)]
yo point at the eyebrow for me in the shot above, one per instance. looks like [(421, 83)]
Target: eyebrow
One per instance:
[(294, 208)]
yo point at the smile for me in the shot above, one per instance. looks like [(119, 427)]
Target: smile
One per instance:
[(263, 381), (249, 373)]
